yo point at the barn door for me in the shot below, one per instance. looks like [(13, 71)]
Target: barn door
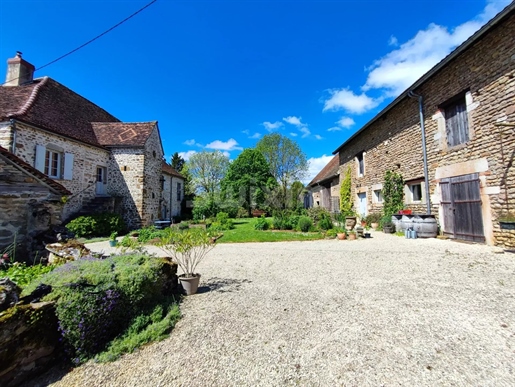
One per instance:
[(461, 203)]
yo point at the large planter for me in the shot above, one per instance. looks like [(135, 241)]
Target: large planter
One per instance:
[(190, 284), (374, 225), (389, 229), (352, 236), (350, 222)]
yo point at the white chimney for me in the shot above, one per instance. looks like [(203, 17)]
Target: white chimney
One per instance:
[(19, 71)]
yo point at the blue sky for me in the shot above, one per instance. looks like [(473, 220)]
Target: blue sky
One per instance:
[(221, 74)]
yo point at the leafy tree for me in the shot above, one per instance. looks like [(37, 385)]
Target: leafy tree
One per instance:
[(346, 205), (207, 170), (246, 178), (295, 191), (177, 162), (287, 161), (189, 189)]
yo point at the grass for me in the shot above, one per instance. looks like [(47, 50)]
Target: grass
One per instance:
[(244, 232)]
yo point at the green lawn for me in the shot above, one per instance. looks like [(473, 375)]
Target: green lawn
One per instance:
[(244, 232)]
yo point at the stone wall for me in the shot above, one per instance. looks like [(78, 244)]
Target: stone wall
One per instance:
[(29, 342), (27, 208), (393, 141), (86, 158), (152, 190)]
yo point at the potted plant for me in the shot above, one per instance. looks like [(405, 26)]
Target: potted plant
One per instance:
[(388, 227), (187, 248), (112, 239), (373, 220), (341, 233), (352, 235)]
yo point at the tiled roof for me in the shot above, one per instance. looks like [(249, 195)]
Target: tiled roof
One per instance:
[(50, 105), (169, 170), (330, 170), (123, 133), (55, 186)]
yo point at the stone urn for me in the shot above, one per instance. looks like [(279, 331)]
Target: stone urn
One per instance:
[(350, 222), (190, 284)]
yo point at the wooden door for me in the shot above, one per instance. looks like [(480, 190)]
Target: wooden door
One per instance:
[(101, 181), (461, 202)]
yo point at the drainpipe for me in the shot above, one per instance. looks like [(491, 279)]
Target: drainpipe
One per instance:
[(411, 94), (13, 126), (171, 193)]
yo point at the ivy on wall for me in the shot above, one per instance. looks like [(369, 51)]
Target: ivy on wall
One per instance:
[(393, 193), (346, 204)]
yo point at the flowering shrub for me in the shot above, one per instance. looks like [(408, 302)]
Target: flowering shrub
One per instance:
[(96, 300)]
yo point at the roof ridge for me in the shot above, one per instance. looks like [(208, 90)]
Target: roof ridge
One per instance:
[(30, 101), (124, 122)]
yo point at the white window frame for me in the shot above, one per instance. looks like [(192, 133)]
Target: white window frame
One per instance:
[(64, 162), (377, 196), (409, 191), (360, 172)]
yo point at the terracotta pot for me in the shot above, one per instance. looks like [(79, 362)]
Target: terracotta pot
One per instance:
[(190, 284), (350, 222), (341, 235), (374, 225), (352, 236)]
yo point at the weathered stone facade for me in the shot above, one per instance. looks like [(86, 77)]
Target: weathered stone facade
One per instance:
[(27, 208), (485, 73), (86, 159)]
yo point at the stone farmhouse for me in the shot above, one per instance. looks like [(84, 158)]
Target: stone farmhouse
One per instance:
[(81, 152), (466, 104), (324, 189)]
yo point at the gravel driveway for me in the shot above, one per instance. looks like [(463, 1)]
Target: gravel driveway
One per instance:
[(384, 311)]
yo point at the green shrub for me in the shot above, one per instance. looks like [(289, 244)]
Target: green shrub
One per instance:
[(331, 233), (242, 213), (148, 233), (222, 222), (184, 225), (262, 224), (325, 223), (22, 274), (317, 213), (97, 225), (96, 300), (374, 217), (305, 223)]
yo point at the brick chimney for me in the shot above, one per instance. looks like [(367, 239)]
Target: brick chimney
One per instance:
[(19, 71)]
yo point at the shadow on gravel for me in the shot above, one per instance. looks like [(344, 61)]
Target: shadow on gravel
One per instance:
[(222, 285)]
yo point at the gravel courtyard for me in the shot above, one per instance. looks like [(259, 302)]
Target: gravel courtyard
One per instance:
[(380, 312)]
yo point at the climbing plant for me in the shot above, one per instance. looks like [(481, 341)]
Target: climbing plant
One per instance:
[(393, 193), (346, 204)]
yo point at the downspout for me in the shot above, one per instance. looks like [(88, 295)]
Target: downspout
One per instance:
[(411, 94), (171, 193), (13, 126)]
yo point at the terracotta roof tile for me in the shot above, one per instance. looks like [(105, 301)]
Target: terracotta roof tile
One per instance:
[(123, 133), (330, 170), (168, 169), (55, 186)]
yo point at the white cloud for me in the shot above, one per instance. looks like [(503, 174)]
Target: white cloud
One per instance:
[(189, 142), (256, 135), (186, 155), (226, 154), (228, 145), (245, 132), (272, 126), (345, 122), (393, 41), (345, 99), (407, 62), (305, 131), (294, 121), (293, 134), (318, 137), (397, 70), (315, 165), (334, 129)]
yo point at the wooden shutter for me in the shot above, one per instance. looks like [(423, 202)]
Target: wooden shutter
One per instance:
[(68, 166), (39, 162), (456, 123)]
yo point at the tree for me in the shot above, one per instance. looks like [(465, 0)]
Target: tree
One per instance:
[(287, 161), (295, 190), (177, 162), (207, 170), (246, 178)]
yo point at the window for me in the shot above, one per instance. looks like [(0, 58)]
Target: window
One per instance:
[(456, 122), (179, 191), (378, 196), (361, 164), (54, 162), (416, 192)]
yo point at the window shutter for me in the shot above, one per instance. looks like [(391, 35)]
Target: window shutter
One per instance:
[(68, 166), (39, 162)]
